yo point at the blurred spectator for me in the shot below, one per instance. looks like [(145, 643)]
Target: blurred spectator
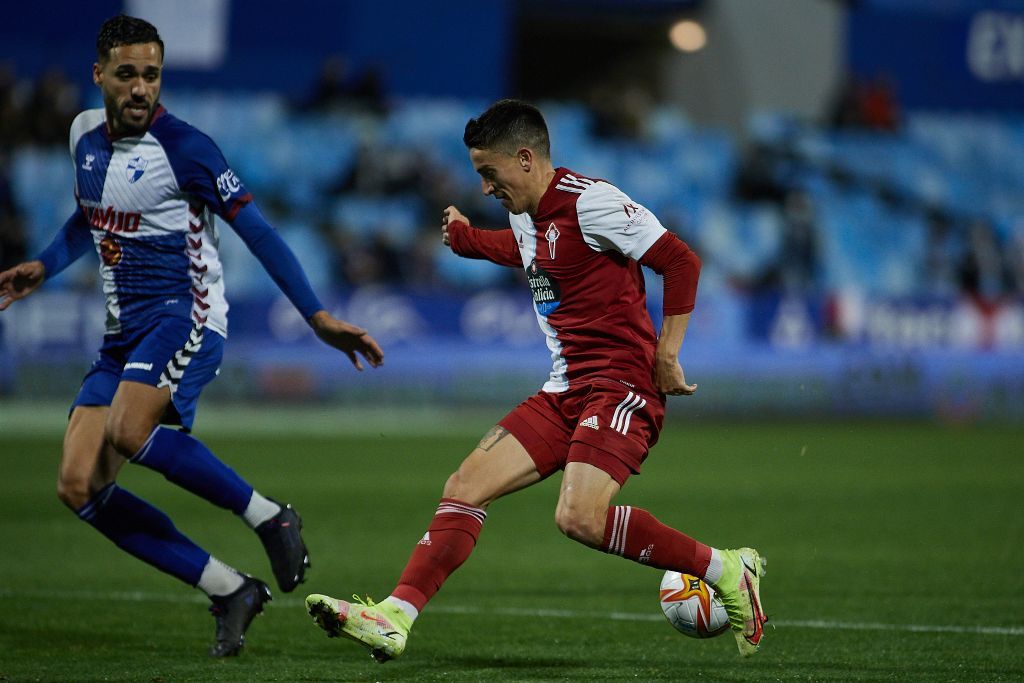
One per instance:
[(620, 111), (53, 104), (13, 242), (365, 259), (1015, 258), (11, 107), (943, 254), (981, 271), (799, 262), (879, 108), (379, 171), (872, 105), (337, 88)]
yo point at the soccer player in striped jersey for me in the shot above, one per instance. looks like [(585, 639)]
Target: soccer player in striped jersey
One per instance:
[(582, 243), (148, 186)]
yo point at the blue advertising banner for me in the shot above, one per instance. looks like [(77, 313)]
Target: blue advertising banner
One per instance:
[(942, 55), (766, 354)]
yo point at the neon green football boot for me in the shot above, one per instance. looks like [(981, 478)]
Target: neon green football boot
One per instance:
[(383, 628), (739, 590)]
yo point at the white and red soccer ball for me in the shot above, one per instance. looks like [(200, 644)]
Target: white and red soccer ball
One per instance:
[(691, 606)]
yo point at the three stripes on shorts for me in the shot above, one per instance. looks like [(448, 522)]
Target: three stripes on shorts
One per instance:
[(624, 411)]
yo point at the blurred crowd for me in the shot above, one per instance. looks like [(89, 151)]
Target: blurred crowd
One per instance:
[(963, 253), (32, 113)]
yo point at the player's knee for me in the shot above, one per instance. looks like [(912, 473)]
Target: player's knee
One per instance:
[(579, 526), (465, 489), (73, 489), (125, 435)]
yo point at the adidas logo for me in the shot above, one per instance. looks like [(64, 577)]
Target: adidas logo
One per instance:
[(425, 540), (590, 422)]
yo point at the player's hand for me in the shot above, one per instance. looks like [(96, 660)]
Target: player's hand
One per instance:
[(348, 339), (20, 281), (451, 214), (669, 378)]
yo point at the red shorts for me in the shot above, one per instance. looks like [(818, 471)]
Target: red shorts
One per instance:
[(604, 424)]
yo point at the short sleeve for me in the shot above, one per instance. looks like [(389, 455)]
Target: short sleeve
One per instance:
[(610, 220)]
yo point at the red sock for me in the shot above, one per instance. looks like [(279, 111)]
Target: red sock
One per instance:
[(636, 535), (446, 545)]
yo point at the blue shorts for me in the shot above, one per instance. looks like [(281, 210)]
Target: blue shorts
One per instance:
[(172, 353)]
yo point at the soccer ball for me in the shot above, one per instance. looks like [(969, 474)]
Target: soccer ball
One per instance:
[(692, 607)]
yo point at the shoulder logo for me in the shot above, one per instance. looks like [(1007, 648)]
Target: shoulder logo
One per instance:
[(228, 184), (551, 236), (87, 165), (136, 167)]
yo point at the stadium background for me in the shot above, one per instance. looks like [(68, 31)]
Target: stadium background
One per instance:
[(849, 173)]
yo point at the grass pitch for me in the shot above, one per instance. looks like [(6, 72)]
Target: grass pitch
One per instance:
[(895, 552)]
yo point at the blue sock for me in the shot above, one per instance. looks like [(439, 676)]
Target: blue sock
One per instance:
[(140, 529), (185, 461)]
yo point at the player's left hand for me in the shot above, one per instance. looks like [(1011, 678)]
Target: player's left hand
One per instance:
[(669, 378), (347, 338)]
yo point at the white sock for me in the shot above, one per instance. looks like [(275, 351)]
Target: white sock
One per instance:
[(259, 510), (218, 578), (714, 573), (406, 607)]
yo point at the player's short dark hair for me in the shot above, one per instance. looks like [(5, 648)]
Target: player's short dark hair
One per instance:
[(125, 30), (507, 126)]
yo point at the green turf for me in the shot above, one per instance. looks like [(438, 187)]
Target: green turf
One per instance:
[(886, 545)]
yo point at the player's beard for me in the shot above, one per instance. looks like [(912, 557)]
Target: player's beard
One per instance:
[(128, 124)]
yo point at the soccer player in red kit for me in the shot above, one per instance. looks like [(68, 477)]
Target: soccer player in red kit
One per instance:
[(582, 242)]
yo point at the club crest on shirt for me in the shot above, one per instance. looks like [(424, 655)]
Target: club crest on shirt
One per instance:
[(546, 292), (551, 236), (110, 251), (136, 167)]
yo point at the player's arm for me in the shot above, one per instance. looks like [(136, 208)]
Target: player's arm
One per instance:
[(72, 241), (610, 220), (679, 267), (283, 267), (497, 246)]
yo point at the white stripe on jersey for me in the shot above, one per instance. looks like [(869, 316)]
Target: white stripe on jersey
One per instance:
[(565, 188), (568, 178)]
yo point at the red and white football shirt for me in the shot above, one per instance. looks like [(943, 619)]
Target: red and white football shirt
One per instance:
[(581, 253)]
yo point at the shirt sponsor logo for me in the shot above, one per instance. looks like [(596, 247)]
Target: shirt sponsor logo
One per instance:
[(138, 366), (546, 292), (635, 213), (89, 158), (228, 184), (136, 167), (112, 220)]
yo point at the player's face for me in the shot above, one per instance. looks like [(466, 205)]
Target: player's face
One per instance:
[(502, 176), (130, 82)]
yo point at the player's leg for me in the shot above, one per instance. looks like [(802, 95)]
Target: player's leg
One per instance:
[(599, 463), (86, 484), (167, 372), (499, 465)]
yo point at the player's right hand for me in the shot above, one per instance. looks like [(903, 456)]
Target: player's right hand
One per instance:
[(451, 214), (20, 281)]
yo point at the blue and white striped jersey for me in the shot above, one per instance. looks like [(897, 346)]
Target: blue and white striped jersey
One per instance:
[(150, 200)]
